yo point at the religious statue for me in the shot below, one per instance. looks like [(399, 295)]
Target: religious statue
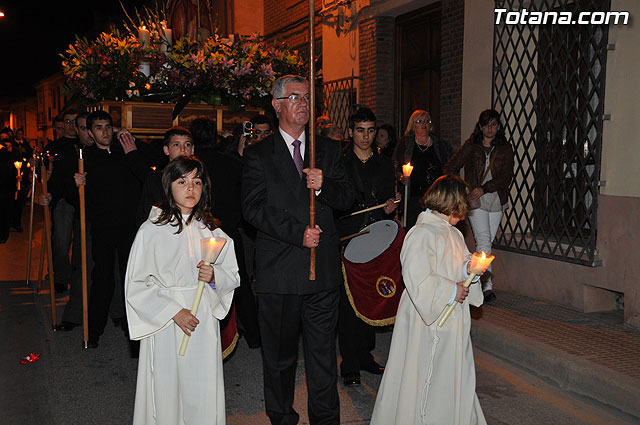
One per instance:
[(197, 19)]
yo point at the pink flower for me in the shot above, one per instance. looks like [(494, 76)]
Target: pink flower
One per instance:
[(267, 70)]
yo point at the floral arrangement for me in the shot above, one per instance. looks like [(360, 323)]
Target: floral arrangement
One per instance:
[(236, 71), (104, 68)]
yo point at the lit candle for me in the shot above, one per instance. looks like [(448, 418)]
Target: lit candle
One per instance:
[(407, 169), (406, 173), (479, 263), (168, 35), (143, 36), (18, 165), (210, 249)]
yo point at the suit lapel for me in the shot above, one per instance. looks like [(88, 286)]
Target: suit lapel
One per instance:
[(284, 164)]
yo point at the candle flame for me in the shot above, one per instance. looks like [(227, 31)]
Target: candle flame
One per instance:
[(143, 27), (483, 256), (17, 164), (407, 169)]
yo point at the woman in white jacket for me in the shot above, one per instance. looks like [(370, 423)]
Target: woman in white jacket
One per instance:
[(430, 375), (162, 277)]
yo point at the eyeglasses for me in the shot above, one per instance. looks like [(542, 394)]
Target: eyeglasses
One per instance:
[(423, 120), (295, 97)]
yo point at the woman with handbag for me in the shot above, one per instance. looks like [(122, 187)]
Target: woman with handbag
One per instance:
[(487, 159)]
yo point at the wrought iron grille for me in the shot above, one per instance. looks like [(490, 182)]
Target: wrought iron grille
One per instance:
[(549, 84), (338, 98)]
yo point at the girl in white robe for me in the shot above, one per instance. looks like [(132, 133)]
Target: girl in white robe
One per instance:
[(430, 375), (162, 276)]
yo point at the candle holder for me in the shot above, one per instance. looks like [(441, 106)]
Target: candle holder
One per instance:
[(210, 249), (479, 263), (407, 169)]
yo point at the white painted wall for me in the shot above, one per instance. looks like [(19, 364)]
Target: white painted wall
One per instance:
[(621, 136), (476, 62)]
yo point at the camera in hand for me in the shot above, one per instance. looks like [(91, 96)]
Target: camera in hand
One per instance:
[(249, 132)]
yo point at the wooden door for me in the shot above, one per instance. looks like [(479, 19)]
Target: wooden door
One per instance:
[(418, 64)]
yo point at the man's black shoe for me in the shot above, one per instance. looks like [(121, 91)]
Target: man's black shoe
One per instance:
[(60, 287), (489, 296), (351, 379), (66, 326), (374, 368), (92, 343), (254, 344)]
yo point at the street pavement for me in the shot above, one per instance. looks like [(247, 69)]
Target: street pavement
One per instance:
[(527, 373)]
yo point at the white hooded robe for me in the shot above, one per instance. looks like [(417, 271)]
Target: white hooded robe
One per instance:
[(162, 279), (430, 375)]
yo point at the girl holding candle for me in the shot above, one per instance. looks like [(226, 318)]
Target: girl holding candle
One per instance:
[(161, 281), (430, 375)]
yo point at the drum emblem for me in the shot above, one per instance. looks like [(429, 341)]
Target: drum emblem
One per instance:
[(386, 286)]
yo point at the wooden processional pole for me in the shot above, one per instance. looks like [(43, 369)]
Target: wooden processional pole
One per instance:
[(31, 206), (47, 240), (83, 244), (312, 135)]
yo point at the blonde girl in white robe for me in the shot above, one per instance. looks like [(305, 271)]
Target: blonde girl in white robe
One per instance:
[(430, 375), (162, 276)]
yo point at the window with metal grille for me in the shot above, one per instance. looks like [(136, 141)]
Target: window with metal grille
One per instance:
[(548, 84), (338, 98)]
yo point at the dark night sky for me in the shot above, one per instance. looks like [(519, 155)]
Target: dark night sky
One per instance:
[(33, 34)]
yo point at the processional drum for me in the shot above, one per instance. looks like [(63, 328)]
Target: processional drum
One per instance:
[(373, 274), (229, 332)]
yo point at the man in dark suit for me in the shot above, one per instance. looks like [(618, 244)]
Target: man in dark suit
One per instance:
[(275, 199)]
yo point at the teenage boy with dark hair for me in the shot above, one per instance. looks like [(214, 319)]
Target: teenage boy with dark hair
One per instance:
[(177, 142), (372, 177), (115, 170), (62, 186)]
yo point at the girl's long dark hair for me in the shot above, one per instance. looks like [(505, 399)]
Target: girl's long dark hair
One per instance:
[(486, 116), (171, 214)]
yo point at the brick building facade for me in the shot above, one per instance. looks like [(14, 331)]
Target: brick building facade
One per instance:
[(376, 35), (451, 70), (288, 20), (376, 66)]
